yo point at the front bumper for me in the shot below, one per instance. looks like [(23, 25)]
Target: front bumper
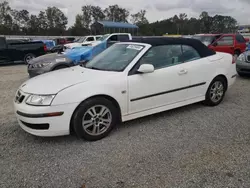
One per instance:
[(37, 71), (31, 120), (243, 67)]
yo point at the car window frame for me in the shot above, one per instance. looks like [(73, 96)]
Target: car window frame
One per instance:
[(87, 39), (109, 39), (194, 50), (134, 68), (224, 37), (118, 37)]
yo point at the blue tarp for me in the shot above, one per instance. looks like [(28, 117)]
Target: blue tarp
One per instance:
[(78, 54)]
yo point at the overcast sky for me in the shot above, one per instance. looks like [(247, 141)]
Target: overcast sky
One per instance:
[(156, 9)]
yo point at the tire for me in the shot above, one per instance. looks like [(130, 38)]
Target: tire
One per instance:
[(86, 123), (28, 58), (236, 54), (244, 75), (216, 91), (60, 67), (241, 74)]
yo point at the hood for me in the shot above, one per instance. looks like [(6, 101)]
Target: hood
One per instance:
[(47, 58), (54, 82)]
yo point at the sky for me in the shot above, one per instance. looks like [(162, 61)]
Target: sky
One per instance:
[(156, 9)]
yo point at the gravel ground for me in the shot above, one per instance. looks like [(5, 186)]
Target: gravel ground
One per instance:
[(190, 147)]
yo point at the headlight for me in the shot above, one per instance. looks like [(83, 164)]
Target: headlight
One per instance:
[(242, 57), (40, 100), (40, 65)]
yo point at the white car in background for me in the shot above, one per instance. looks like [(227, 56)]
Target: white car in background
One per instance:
[(83, 41), (127, 81)]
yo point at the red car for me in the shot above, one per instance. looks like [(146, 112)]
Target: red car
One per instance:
[(234, 44)]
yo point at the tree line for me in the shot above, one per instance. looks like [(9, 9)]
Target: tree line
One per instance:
[(53, 21)]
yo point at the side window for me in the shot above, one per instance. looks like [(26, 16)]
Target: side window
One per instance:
[(226, 41), (189, 54), (163, 56), (123, 37), (90, 39), (113, 38), (240, 39)]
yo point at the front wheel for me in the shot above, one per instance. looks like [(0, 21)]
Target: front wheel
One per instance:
[(216, 92), (95, 118)]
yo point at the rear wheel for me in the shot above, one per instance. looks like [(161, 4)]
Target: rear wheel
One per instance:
[(95, 118), (216, 91), (28, 58)]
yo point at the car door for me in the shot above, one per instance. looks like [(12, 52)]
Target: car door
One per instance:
[(200, 71), (224, 44), (166, 85)]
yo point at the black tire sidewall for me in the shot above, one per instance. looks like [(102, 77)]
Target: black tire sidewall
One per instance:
[(237, 52), (208, 100), (60, 67), (80, 111), (27, 55)]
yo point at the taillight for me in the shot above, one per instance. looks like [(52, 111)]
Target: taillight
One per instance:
[(45, 48)]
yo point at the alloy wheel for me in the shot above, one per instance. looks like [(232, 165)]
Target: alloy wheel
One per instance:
[(217, 91), (97, 120)]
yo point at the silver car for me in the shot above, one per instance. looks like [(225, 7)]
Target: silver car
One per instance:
[(243, 64), (47, 63)]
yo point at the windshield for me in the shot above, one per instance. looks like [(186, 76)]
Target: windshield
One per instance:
[(103, 37), (115, 58), (80, 40), (207, 40)]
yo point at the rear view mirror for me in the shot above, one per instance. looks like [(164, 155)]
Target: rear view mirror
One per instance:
[(146, 68)]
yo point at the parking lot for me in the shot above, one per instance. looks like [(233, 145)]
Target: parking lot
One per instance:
[(189, 147)]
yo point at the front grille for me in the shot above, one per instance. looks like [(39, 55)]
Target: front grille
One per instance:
[(248, 58), (19, 97), (42, 126), (245, 70)]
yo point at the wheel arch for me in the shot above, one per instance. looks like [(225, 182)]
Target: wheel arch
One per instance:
[(108, 97), (237, 51), (60, 64), (221, 76)]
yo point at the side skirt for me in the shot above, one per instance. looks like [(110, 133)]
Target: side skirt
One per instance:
[(162, 108)]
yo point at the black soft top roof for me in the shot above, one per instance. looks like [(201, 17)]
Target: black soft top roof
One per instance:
[(203, 50)]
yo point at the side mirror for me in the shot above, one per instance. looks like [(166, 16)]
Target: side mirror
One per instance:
[(146, 68)]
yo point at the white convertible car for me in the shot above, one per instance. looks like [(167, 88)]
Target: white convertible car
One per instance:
[(127, 81)]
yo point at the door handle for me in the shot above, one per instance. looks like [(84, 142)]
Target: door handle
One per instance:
[(182, 72)]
